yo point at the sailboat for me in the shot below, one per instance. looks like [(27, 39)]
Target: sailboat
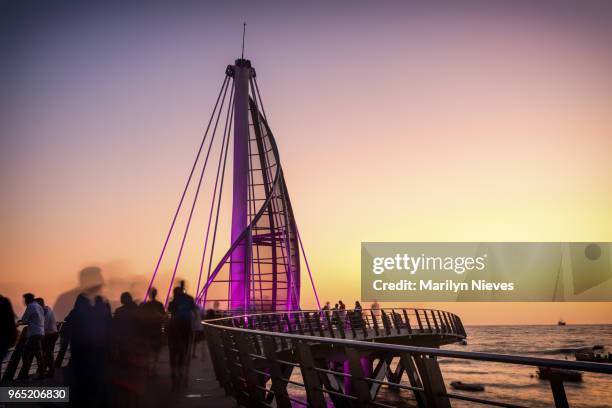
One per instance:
[(561, 322)]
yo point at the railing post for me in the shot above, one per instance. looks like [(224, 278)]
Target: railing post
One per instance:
[(360, 387), (351, 319), (309, 323), (460, 326), (448, 322), (374, 323), (395, 318), (11, 367), (438, 327), (298, 323), (319, 325), (275, 325), (362, 322), (339, 324), (386, 324), (558, 391), (288, 322), (268, 322), (238, 389), (427, 321), (379, 373), (329, 324), (252, 379), (413, 377), (454, 324), (416, 312), (312, 382), (215, 347), (407, 321), (433, 382), (279, 385)]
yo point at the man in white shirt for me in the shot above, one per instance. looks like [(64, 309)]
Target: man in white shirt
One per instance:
[(50, 337), (34, 318)]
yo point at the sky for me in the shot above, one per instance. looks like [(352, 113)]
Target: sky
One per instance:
[(395, 121)]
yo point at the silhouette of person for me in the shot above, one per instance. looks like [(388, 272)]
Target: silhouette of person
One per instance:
[(357, 318), (179, 334), (90, 285), (34, 318), (102, 319), (49, 338), (78, 330), (198, 330), (375, 307), (153, 313), (129, 354), (102, 324), (8, 328), (213, 313), (342, 311)]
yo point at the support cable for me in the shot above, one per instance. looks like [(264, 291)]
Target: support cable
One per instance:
[(296, 229), (161, 255), (308, 268), (212, 203), (195, 200), (212, 249), (224, 146)]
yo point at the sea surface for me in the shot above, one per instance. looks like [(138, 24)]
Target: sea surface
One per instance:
[(519, 384)]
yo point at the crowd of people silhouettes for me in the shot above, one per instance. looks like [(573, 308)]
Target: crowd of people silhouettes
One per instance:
[(111, 354)]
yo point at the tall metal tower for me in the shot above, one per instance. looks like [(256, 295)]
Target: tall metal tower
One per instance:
[(261, 267)]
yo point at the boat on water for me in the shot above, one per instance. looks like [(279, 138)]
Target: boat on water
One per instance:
[(546, 373), (459, 385), (594, 357), (561, 322)]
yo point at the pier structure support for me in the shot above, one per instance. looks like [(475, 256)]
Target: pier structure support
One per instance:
[(239, 266), (256, 369)]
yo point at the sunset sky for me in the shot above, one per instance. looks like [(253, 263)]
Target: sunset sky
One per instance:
[(463, 121)]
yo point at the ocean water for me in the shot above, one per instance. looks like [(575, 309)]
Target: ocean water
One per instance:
[(511, 383), (519, 384)]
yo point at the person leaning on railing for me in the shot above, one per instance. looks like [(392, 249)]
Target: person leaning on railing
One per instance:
[(34, 318), (49, 338)]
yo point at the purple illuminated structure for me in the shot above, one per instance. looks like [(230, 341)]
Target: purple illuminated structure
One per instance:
[(261, 270)]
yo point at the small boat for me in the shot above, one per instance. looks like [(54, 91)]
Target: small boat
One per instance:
[(546, 373), (594, 357), (561, 322), (467, 386)]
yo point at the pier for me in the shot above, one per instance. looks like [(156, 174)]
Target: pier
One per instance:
[(263, 348), (321, 359)]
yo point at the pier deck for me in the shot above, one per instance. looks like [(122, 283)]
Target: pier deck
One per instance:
[(202, 389)]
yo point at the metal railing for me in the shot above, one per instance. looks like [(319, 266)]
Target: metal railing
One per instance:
[(15, 364), (363, 324), (259, 359)]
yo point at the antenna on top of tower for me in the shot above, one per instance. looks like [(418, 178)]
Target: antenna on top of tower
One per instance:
[(243, 33)]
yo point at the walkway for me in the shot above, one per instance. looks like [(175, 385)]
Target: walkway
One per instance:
[(203, 388)]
